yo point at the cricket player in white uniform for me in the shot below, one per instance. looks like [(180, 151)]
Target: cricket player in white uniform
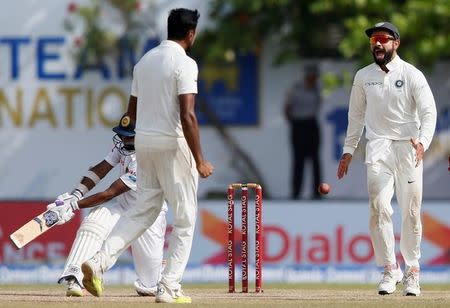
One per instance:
[(147, 250), (168, 154), (393, 101)]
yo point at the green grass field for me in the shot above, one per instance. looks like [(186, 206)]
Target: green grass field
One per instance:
[(209, 295)]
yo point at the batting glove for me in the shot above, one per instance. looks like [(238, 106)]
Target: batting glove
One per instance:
[(63, 210)]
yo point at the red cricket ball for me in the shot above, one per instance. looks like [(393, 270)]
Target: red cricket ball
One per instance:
[(324, 188)]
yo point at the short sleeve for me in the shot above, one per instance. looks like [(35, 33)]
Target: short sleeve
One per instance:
[(129, 178), (113, 157), (134, 85), (187, 77)]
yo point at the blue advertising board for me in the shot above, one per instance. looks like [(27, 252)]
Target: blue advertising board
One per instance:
[(230, 91)]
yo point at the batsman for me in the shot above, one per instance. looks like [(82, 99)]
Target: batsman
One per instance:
[(147, 249)]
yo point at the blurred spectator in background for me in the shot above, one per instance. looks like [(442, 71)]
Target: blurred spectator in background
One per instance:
[(301, 109)]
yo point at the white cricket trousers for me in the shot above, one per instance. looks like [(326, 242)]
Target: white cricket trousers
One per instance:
[(395, 173), (166, 170), (147, 250)]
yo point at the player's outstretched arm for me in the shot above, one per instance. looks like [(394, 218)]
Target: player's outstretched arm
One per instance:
[(117, 188), (66, 204), (94, 175)]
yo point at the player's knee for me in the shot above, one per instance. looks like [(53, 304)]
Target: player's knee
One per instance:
[(379, 213), (94, 228), (414, 216), (185, 222), (97, 223), (184, 226)]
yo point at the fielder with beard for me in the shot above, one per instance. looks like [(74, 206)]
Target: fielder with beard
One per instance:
[(393, 101)]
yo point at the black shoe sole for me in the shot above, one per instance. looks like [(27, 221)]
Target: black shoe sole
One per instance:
[(144, 294), (383, 293)]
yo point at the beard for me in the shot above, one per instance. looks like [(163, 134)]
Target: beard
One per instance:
[(189, 48), (382, 60)]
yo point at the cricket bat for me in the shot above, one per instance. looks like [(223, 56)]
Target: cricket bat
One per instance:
[(35, 227)]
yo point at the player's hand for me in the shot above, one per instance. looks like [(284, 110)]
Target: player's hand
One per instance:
[(72, 199), (62, 209), (205, 169), (344, 162), (419, 150), (64, 206)]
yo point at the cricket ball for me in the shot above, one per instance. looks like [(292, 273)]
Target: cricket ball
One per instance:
[(324, 188)]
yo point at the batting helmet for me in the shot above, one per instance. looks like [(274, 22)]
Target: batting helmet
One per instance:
[(124, 131)]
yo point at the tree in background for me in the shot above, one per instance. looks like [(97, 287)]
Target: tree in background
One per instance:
[(102, 28), (302, 29), (325, 28)]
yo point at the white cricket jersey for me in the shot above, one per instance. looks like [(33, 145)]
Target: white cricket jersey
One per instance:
[(162, 74), (128, 168), (397, 105)]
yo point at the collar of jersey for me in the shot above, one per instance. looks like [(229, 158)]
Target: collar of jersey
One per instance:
[(173, 44), (394, 64)]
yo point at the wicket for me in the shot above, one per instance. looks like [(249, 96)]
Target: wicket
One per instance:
[(244, 244)]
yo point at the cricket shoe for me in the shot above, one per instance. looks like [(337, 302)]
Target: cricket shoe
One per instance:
[(166, 295), (411, 285), (93, 275), (392, 275), (73, 288), (142, 290)]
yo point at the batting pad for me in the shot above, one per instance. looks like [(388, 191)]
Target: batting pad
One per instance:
[(90, 237)]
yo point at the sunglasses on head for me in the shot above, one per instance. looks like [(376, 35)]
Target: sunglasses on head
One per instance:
[(383, 39)]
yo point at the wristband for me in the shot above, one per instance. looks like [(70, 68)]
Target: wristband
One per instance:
[(82, 189), (77, 194), (93, 176)]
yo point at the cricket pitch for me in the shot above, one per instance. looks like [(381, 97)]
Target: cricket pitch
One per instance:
[(215, 295)]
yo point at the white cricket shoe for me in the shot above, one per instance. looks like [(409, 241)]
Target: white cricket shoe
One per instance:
[(142, 290), (73, 288), (392, 275), (411, 285), (93, 275), (166, 295)]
